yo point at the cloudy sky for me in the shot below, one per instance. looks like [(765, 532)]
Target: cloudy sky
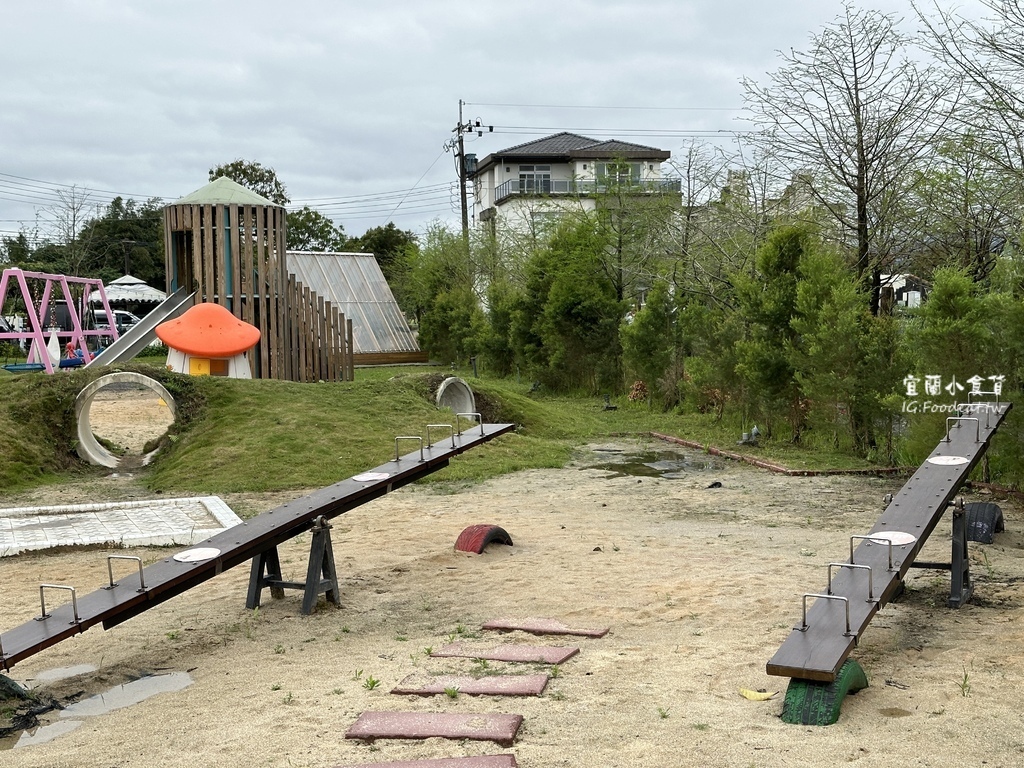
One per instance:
[(352, 102)]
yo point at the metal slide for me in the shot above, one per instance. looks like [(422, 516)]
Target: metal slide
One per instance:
[(141, 335)]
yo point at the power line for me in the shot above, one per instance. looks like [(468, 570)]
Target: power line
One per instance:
[(668, 132), (422, 175), (372, 195), (598, 106), (52, 185)]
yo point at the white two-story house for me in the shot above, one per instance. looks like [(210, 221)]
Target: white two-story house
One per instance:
[(542, 179)]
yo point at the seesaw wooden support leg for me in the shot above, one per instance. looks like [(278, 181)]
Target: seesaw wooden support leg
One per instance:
[(960, 585), (265, 571), (321, 576)]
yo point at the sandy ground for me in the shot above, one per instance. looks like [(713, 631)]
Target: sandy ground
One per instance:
[(699, 586)]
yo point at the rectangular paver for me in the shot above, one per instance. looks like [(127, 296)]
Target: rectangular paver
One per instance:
[(499, 728), (536, 654), (492, 685)]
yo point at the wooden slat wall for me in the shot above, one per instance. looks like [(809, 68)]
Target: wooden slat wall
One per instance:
[(309, 365), (351, 349), (193, 225), (208, 286), (293, 332), (285, 370), (271, 290), (247, 265), (260, 289), (389, 358), (221, 254), (303, 337), (236, 262), (338, 340), (170, 225), (323, 353)]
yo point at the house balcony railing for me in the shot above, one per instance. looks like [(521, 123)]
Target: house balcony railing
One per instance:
[(584, 187)]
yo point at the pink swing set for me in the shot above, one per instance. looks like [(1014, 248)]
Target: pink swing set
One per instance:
[(45, 353)]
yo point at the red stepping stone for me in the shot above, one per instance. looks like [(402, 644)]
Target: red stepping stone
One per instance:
[(493, 685), (476, 537), (542, 627), (482, 761), (498, 728), (537, 654)]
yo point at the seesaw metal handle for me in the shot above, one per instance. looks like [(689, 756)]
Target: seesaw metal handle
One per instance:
[(987, 405), (803, 625), (43, 615), (449, 427), (110, 571), (476, 417), (871, 589), (958, 419), (873, 540), (408, 437)]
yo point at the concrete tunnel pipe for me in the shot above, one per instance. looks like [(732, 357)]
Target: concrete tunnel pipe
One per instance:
[(455, 393), (89, 447)]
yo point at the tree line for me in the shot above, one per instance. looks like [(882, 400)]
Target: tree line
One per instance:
[(765, 289), (85, 238)]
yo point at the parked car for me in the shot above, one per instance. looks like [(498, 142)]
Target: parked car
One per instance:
[(122, 320)]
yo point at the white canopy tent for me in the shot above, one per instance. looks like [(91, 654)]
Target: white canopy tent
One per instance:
[(130, 288)]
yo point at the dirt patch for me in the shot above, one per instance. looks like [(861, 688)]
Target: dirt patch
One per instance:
[(699, 585), (129, 420)]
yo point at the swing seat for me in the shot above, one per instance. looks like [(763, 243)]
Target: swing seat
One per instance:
[(24, 367), (71, 362)]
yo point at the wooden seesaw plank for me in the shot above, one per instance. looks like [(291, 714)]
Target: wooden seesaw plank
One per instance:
[(817, 651), (235, 546)]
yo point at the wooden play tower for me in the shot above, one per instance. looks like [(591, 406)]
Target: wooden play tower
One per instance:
[(227, 244)]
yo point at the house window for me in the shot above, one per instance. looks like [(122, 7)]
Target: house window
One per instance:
[(535, 178), (618, 172)]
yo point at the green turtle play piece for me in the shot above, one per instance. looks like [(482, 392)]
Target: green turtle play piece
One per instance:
[(812, 702)]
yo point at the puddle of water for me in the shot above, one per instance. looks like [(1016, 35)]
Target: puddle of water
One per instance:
[(663, 464), (46, 733), (121, 696), (118, 697), (62, 673)]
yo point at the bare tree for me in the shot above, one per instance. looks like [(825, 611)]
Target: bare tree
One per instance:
[(963, 210), (852, 116), (69, 217), (990, 55)]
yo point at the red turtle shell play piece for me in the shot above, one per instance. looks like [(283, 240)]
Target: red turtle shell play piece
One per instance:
[(208, 330), (476, 537)]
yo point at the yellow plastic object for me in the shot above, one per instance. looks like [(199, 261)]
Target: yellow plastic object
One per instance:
[(746, 693), (199, 366)]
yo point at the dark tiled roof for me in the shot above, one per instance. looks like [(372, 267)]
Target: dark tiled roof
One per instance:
[(567, 146), (609, 148), (558, 144)]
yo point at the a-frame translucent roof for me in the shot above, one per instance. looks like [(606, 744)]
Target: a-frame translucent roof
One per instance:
[(354, 283)]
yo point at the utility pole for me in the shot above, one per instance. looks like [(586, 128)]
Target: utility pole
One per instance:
[(458, 145)]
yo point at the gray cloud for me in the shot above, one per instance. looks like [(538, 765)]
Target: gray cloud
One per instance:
[(352, 99)]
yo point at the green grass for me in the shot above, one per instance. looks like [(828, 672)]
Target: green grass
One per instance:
[(257, 436)]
